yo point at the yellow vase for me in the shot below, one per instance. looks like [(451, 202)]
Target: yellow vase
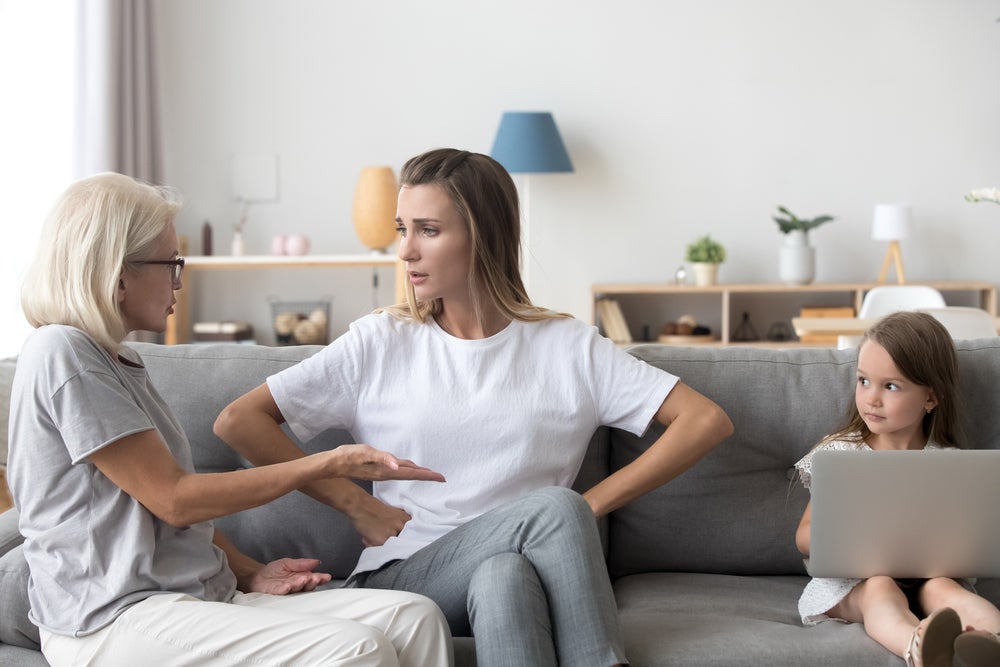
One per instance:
[(375, 207)]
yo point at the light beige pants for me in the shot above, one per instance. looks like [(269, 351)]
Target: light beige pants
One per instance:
[(355, 627)]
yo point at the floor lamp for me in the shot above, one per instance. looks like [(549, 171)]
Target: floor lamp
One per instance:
[(528, 142), (892, 223)]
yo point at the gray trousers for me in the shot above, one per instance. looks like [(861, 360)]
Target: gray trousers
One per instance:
[(528, 580)]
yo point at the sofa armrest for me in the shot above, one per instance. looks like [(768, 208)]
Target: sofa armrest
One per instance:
[(9, 535)]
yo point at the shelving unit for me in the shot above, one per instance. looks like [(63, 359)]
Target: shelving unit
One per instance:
[(648, 306), (179, 324)]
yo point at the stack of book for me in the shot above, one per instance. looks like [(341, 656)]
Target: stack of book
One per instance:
[(222, 331), (823, 311), (610, 316)]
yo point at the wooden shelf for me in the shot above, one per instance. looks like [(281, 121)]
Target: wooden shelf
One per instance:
[(649, 303), (179, 324)]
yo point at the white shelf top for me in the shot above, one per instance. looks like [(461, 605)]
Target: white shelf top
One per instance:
[(257, 261)]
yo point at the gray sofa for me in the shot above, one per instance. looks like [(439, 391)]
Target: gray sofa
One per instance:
[(705, 568)]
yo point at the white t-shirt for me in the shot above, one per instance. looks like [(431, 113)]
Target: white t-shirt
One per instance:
[(499, 417), (92, 549)]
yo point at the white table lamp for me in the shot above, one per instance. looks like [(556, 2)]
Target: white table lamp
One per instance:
[(892, 223)]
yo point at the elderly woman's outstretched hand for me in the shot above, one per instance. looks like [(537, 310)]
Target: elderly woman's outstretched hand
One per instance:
[(366, 462)]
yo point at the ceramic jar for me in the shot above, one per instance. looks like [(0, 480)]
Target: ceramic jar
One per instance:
[(796, 259)]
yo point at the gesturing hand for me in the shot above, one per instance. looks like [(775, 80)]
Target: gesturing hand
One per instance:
[(284, 576), (366, 462)]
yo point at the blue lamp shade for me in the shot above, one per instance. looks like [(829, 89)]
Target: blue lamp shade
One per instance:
[(528, 142)]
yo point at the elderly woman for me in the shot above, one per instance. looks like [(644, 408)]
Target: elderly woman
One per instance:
[(126, 566)]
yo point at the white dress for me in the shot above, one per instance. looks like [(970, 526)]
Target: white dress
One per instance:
[(823, 594)]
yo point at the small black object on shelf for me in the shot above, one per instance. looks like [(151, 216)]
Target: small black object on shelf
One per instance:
[(745, 332), (206, 239), (779, 332)]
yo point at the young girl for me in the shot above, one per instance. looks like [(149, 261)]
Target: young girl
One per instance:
[(502, 397), (905, 398)]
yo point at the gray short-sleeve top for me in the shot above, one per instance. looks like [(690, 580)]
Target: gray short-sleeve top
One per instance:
[(93, 550)]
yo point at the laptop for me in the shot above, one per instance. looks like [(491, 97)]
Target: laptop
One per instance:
[(905, 514)]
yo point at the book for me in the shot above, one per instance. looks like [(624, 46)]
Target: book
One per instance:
[(613, 321), (823, 311)]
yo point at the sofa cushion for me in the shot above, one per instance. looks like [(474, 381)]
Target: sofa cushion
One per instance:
[(736, 511), (15, 628), (710, 620)]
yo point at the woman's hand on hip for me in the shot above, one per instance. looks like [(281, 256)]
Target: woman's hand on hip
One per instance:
[(376, 522)]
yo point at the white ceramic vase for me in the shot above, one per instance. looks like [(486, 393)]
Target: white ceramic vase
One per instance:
[(796, 259), (237, 248), (705, 274)]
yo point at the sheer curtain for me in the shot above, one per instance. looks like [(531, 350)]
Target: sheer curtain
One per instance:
[(117, 115)]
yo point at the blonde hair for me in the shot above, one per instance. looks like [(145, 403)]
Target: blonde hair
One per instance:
[(924, 353), (99, 227), (485, 197)]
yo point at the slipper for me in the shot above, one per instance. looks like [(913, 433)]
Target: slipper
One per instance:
[(937, 645), (977, 648)]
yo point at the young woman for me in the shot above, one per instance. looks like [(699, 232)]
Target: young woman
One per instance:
[(125, 565), (904, 398), (502, 397)]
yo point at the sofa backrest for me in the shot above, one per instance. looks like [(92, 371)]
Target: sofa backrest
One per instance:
[(736, 511), (198, 381)]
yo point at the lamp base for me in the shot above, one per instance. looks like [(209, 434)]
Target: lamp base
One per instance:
[(895, 256)]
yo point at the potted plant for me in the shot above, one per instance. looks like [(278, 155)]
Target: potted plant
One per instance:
[(705, 255), (796, 258), (984, 194)]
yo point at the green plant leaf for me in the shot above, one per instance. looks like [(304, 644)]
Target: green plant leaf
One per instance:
[(706, 250), (793, 222)]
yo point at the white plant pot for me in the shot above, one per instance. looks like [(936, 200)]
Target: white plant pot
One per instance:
[(705, 274), (796, 259)]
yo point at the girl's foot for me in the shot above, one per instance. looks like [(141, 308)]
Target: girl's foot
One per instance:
[(977, 648), (933, 641)]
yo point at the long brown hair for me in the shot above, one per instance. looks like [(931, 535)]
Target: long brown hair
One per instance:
[(486, 198), (924, 353)]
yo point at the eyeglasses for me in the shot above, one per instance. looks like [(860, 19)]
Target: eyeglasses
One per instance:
[(178, 265)]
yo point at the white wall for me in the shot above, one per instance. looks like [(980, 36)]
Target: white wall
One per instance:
[(681, 118)]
